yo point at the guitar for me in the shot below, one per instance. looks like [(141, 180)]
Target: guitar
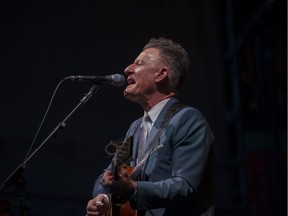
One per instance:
[(120, 206)]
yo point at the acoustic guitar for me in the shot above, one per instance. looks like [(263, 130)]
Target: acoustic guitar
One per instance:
[(120, 206)]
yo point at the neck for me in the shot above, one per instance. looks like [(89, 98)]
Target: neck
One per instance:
[(155, 99)]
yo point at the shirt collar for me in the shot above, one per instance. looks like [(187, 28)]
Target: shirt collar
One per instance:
[(154, 112)]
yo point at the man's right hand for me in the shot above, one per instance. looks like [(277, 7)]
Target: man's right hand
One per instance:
[(98, 206)]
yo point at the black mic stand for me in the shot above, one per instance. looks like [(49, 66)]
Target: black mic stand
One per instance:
[(16, 178)]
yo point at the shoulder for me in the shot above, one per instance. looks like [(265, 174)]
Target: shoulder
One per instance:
[(182, 108), (133, 126), (189, 116)]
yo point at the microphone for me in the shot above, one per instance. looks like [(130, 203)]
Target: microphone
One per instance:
[(114, 80)]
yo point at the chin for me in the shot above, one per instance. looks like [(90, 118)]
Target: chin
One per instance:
[(128, 90), (129, 95)]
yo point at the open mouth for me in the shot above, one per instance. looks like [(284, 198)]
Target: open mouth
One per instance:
[(130, 81)]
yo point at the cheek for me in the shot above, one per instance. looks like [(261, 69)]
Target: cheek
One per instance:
[(148, 82)]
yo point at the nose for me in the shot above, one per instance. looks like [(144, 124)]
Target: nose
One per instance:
[(129, 69)]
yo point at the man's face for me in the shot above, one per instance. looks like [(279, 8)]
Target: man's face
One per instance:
[(141, 75)]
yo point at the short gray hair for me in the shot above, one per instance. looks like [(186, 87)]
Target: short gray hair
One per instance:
[(173, 54)]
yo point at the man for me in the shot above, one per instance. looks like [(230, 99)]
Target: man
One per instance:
[(176, 178)]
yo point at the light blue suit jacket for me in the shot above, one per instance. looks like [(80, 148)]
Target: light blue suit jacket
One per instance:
[(177, 179)]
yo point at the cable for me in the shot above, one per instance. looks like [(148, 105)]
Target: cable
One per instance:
[(44, 117)]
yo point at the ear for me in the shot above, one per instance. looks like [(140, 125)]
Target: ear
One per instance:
[(161, 74)]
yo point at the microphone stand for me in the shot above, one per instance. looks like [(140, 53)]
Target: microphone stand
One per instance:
[(16, 178)]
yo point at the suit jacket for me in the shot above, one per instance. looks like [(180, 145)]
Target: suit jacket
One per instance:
[(177, 178)]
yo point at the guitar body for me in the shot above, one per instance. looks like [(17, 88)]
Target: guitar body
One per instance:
[(122, 210), (118, 206)]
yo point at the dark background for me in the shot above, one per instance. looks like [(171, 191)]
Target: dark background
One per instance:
[(238, 80)]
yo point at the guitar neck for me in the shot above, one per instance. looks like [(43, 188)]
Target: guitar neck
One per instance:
[(114, 168)]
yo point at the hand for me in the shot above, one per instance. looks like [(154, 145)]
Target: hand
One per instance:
[(123, 186), (98, 206)]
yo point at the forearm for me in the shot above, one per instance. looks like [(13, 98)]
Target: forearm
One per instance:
[(161, 194), (98, 187)]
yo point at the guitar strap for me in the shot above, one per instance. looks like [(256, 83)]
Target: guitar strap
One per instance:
[(172, 110)]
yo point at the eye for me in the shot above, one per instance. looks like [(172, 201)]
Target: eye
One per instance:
[(137, 67), (139, 62)]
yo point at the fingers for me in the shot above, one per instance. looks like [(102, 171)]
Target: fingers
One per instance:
[(123, 174), (97, 206), (122, 186), (107, 178), (91, 208), (102, 199)]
